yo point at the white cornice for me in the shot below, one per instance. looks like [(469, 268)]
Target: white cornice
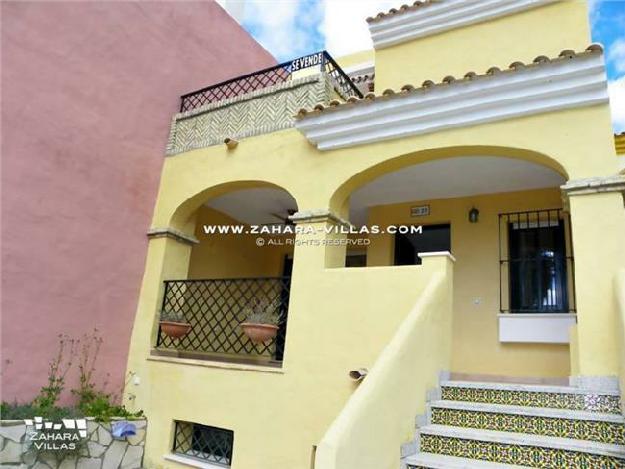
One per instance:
[(594, 185), (173, 234), (560, 84), (442, 16)]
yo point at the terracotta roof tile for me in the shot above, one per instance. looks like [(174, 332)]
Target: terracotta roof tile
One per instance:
[(449, 80), (363, 78), (403, 9)]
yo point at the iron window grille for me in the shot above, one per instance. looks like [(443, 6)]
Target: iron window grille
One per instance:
[(204, 442), (215, 308), (536, 264), (277, 74)]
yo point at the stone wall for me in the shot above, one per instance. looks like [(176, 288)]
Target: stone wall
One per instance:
[(99, 450)]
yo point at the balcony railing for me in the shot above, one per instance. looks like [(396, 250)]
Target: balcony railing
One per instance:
[(215, 308), (270, 76)]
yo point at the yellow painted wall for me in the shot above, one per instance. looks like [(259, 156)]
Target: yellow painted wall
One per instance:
[(356, 58), (341, 319), (476, 346), (619, 143), (545, 30), (379, 416), (598, 223), (231, 256), (278, 415)]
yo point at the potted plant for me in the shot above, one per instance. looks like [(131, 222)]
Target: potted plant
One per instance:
[(261, 321), (174, 324)]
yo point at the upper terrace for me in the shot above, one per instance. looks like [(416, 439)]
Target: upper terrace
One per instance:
[(257, 103)]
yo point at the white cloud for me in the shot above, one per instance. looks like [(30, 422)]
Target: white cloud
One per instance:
[(345, 24), (286, 27), (273, 24), (616, 55), (594, 11), (616, 89)]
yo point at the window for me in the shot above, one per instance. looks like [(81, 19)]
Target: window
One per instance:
[(536, 272), (210, 444), (434, 238)]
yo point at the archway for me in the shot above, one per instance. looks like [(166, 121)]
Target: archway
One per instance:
[(239, 272), (500, 213)]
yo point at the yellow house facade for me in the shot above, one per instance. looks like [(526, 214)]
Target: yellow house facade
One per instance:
[(461, 225)]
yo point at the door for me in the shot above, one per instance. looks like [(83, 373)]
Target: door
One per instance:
[(538, 278), (434, 238)]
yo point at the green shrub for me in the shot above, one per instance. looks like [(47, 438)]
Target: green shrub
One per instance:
[(91, 401)]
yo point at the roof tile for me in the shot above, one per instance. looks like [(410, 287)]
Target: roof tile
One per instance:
[(449, 80), (403, 9)]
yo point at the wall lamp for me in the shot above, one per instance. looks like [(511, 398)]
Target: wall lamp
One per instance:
[(231, 143), (474, 215)]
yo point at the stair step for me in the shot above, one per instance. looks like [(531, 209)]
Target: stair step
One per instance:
[(575, 424), (520, 448), (440, 461), (532, 411), (525, 387), (558, 397)]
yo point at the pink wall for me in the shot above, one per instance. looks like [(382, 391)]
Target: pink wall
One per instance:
[(88, 90)]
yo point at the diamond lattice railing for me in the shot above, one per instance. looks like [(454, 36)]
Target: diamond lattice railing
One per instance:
[(216, 308), (268, 77)]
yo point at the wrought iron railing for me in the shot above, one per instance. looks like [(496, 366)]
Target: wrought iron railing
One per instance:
[(271, 76), (215, 309), (536, 265)]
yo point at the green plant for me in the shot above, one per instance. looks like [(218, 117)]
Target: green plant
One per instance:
[(94, 402), (102, 409), (89, 351), (46, 400), (173, 316), (16, 411), (261, 311)]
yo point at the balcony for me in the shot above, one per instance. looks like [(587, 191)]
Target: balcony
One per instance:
[(215, 309), (257, 103)]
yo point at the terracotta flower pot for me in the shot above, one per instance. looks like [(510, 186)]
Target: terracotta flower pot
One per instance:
[(175, 330), (259, 333)]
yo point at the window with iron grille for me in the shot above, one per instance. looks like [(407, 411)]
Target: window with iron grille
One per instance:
[(536, 262), (204, 442)]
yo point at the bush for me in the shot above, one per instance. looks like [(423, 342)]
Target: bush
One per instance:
[(91, 401)]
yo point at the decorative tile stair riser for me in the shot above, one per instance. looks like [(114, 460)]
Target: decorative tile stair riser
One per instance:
[(588, 402), (505, 426), (600, 431), (532, 456)]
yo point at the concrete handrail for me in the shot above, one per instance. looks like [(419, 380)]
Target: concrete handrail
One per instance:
[(379, 416)]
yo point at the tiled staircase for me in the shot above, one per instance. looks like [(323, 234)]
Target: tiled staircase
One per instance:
[(489, 425)]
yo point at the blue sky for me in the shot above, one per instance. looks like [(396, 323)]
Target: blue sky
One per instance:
[(607, 19), (293, 28)]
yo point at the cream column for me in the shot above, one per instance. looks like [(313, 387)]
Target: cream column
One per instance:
[(168, 257), (598, 234), (318, 246)]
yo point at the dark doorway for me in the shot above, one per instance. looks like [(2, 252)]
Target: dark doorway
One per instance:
[(287, 270), (434, 238), (538, 278)]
